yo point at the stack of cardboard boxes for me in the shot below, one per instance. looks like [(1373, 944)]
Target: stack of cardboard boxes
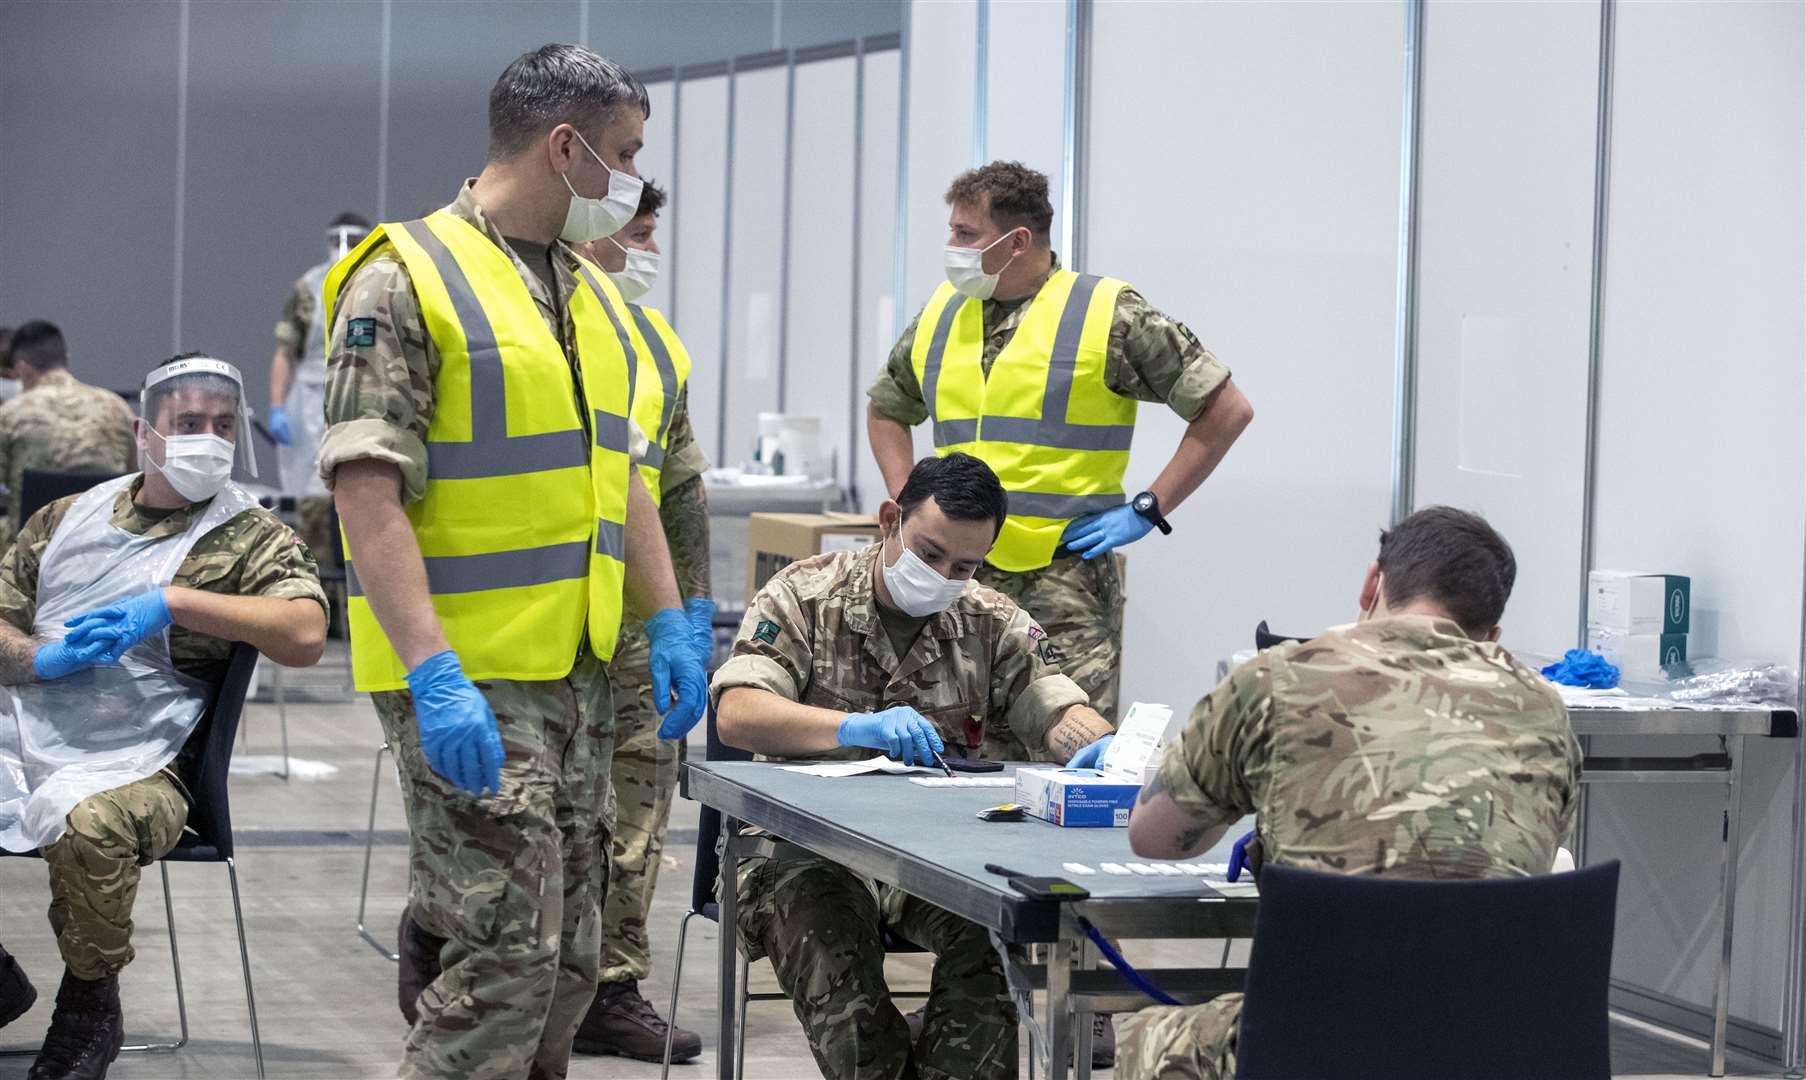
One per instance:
[(1639, 621)]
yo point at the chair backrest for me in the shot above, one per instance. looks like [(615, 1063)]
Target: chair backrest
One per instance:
[(1363, 978), (708, 824), (1266, 639), (211, 815), (41, 487)]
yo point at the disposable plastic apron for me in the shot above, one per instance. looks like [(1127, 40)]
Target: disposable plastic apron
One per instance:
[(297, 463), (105, 726)]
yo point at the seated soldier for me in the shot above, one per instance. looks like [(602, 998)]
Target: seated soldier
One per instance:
[(893, 649), (1409, 744), (98, 727)]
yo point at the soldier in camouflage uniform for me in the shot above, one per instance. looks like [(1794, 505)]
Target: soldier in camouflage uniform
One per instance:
[(1003, 209), (250, 575), (846, 653), (59, 423), (644, 776), (297, 388), (1409, 744), (508, 868)]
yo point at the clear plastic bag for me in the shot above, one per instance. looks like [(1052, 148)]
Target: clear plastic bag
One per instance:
[(1724, 682)]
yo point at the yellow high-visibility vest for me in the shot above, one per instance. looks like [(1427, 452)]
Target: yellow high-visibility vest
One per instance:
[(1044, 421), (523, 524), (664, 369)]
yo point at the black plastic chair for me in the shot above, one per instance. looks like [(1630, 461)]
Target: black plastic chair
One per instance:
[(41, 487), (1370, 978), (207, 837), (1266, 639)]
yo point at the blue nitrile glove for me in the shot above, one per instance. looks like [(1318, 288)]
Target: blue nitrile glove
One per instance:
[(1091, 757), (1099, 533), (279, 426), (1578, 667), (121, 626), (700, 610), (59, 658), (676, 666), (458, 732), (899, 731), (1238, 855)]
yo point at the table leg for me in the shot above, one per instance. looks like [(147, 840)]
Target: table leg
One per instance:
[(1082, 1023), (1733, 832), (728, 956), (1059, 1005)]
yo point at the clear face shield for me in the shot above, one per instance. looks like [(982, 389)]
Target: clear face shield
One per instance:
[(204, 370), (340, 239)]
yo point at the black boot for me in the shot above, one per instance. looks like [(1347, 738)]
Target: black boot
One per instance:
[(17, 995), (622, 1022), (86, 1031), (419, 964)]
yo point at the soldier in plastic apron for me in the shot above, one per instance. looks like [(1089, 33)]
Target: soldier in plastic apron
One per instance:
[(298, 420)]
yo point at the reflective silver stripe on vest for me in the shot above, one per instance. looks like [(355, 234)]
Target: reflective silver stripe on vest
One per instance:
[(629, 357), (1043, 505), (450, 574), (611, 539), (655, 457), (611, 431), (1052, 429), (490, 452), (667, 377)]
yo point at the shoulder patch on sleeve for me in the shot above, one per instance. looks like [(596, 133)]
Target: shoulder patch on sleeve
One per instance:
[(766, 631), (360, 332)]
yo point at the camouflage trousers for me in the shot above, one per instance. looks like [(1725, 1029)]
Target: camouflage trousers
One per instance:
[(313, 516), (512, 881), (1079, 603), (823, 928), (94, 869), (1188, 1042), (645, 779)]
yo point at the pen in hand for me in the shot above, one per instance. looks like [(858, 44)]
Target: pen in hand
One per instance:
[(941, 761)]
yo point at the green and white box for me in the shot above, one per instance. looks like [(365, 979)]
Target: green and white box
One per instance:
[(1638, 656), (1638, 602)]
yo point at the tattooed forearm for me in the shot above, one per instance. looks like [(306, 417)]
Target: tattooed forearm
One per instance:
[(1078, 728), (18, 651), (684, 510)]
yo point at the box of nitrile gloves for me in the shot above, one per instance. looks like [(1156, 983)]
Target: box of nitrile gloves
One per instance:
[(1078, 798), (1636, 602)]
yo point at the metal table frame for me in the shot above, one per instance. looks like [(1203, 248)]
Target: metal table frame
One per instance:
[(1073, 988), (1732, 726)]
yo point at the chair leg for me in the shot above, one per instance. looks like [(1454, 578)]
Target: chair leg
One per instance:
[(244, 958), (363, 891), (677, 980), (282, 722), (175, 959), (740, 1027)]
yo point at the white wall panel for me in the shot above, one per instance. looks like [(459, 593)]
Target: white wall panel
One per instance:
[(877, 259), (1505, 287), (751, 364), (1700, 462), (654, 163), (1268, 223), (1025, 99), (700, 195), (941, 73)]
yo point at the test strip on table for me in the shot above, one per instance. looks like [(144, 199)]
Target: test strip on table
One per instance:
[(1115, 868), (1077, 868)]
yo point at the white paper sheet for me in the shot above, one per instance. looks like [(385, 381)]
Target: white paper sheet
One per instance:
[(837, 769)]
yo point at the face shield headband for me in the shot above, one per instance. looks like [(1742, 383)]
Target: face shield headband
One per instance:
[(340, 239), (206, 365)]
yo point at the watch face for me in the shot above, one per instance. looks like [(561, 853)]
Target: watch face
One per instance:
[(1144, 502)]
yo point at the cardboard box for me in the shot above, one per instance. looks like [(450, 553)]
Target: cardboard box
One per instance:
[(1077, 798), (774, 541), (1635, 602), (1638, 656)]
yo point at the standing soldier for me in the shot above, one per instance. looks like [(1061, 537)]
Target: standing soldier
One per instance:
[(298, 387), (57, 422), (479, 383), (645, 766)]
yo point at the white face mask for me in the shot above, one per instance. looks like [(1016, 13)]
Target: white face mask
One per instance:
[(966, 270), (636, 279), (10, 388), (592, 219), (197, 466), (915, 587)]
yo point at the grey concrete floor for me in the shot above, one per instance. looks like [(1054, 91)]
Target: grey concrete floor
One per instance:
[(326, 1001)]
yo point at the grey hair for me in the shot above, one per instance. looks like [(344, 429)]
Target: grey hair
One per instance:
[(552, 85)]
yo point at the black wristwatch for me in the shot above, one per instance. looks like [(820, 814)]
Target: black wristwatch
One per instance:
[(1147, 504)]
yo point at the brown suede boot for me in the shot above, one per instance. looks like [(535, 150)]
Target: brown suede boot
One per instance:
[(86, 1031), (17, 995), (419, 964), (622, 1022)]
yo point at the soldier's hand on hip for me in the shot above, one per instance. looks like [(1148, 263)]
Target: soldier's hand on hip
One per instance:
[(1103, 532), (898, 731), (458, 732)]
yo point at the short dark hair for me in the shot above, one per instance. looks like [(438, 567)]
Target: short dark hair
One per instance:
[(350, 220), (552, 85), (41, 345), (1015, 194), (1453, 558), (652, 199), (158, 394), (963, 487)]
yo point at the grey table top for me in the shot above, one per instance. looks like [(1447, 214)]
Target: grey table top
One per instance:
[(929, 842)]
